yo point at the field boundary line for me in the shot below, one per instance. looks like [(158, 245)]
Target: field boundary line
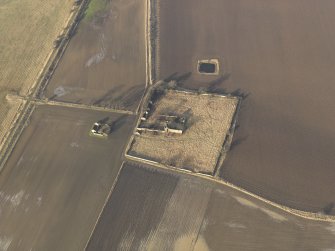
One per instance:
[(38, 101), (148, 53), (21, 123), (152, 40), (103, 207), (228, 140), (12, 122), (81, 106), (157, 10), (300, 213), (148, 45)]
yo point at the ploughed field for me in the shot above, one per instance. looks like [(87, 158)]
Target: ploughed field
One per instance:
[(57, 179), (105, 62), (279, 56), (152, 209)]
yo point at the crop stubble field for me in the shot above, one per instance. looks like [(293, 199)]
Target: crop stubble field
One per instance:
[(280, 55), (57, 179), (27, 30), (199, 147), (105, 62), (152, 209)]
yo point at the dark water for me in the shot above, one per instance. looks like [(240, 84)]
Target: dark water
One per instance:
[(206, 68)]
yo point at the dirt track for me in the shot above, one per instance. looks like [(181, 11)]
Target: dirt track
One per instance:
[(158, 210), (55, 183), (281, 53), (105, 62)]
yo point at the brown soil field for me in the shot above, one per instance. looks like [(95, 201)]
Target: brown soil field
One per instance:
[(200, 146), (152, 209), (28, 29), (280, 55), (105, 62), (57, 179)]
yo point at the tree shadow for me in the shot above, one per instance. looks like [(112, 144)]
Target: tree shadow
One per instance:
[(188, 163), (115, 125), (328, 208), (215, 85), (239, 93), (131, 96), (183, 77), (173, 160), (74, 26), (179, 78), (190, 119), (237, 142), (106, 97), (53, 97), (104, 120), (171, 77)]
